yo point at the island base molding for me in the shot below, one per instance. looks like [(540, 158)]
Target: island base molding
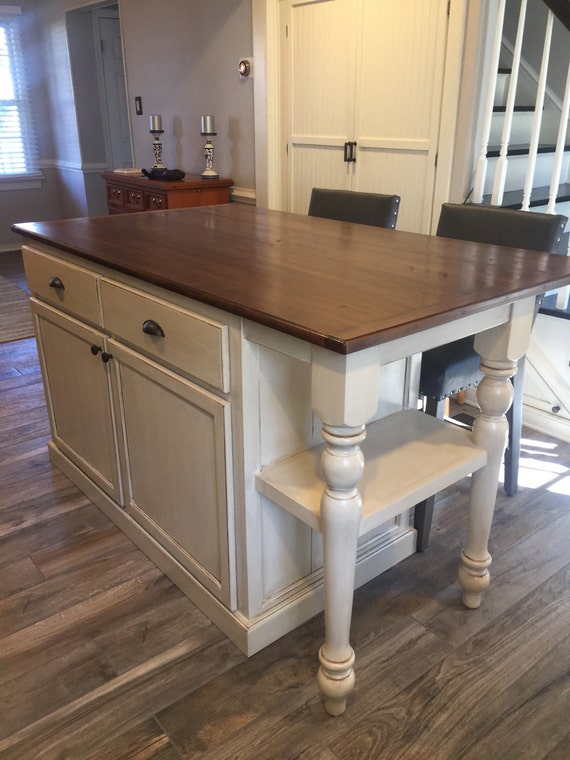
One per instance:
[(254, 634)]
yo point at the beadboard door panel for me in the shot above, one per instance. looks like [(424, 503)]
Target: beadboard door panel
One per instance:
[(345, 87)]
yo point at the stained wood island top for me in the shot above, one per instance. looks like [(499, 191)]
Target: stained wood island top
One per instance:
[(338, 285)]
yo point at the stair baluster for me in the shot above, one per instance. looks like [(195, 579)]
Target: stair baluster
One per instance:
[(537, 121), (563, 297), (481, 171), (502, 163)]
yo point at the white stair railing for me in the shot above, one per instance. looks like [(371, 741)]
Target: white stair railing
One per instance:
[(482, 162), (563, 297), (537, 120), (503, 161), (559, 165)]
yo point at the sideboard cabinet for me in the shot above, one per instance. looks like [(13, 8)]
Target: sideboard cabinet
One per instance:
[(128, 193)]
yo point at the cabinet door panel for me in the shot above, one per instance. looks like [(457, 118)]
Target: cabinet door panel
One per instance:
[(398, 103), (321, 57), (178, 463), (78, 395), (369, 72)]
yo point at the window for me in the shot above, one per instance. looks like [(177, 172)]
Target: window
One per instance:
[(18, 151)]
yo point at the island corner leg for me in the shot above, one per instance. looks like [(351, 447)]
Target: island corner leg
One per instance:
[(341, 508), (490, 431)]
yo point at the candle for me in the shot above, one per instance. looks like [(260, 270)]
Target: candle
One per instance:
[(155, 123), (208, 127)]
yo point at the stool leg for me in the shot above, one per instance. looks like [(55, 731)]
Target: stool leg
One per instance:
[(423, 511), (513, 450), (423, 514)]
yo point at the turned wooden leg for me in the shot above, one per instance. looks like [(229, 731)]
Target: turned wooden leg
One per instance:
[(494, 394), (341, 507)]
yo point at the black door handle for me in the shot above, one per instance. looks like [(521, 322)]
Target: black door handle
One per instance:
[(349, 152)]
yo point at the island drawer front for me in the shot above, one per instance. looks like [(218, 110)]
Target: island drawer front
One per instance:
[(189, 342), (64, 285)]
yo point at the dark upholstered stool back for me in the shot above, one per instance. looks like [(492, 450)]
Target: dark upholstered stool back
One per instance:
[(448, 369), (348, 206), (502, 226)]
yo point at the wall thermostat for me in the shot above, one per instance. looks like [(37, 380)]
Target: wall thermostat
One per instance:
[(245, 68)]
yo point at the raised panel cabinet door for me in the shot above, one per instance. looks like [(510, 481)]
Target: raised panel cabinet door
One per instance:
[(178, 462), (77, 386)]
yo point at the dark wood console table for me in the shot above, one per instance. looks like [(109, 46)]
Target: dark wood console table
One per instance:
[(128, 193)]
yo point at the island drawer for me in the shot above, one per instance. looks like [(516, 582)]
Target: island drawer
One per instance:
[(187, 341), (64, 285)]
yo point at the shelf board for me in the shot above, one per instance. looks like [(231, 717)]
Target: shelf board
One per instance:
[(408, 457)]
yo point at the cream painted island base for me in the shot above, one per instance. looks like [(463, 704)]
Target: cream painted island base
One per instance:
[(190, 385)]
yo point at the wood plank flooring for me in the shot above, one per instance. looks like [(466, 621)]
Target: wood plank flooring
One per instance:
[(15, 315), (102, 658)]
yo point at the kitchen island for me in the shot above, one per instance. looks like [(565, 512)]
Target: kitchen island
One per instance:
[(194, 360)]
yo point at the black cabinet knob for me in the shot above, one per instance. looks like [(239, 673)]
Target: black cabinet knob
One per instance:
[(106, 357), (150, 327), (95, 350), (56, 283)]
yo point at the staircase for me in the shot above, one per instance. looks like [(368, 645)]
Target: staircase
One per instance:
[(518, 156), (524, 159), (524, 163)]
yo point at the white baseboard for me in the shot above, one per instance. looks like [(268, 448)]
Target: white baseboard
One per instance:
[(549, 424), (243, 195)]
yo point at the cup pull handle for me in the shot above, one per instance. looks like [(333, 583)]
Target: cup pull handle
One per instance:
[(150, 327), (55, 282)]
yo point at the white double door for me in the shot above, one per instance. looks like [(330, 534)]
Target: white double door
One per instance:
[(364, 82)]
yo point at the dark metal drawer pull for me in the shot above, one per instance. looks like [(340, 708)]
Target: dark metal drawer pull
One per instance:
[(55, 282), (150, 327)]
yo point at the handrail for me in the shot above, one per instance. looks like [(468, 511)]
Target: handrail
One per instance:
[(560, 8)]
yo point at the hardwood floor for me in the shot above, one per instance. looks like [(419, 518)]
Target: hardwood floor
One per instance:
[(102, 658)]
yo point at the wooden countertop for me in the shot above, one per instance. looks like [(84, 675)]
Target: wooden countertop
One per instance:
[(339, 285)]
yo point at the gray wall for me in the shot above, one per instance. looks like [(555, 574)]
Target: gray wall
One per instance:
[(181, 57)]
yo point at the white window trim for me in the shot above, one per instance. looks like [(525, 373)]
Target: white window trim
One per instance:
[(27, 180)]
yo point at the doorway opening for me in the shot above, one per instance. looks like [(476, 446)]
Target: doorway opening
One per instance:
[(100, 95)]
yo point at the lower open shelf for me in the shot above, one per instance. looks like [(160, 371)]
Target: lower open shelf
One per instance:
[(408, 456)]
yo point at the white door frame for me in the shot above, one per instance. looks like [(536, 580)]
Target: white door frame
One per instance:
[(269, 117)]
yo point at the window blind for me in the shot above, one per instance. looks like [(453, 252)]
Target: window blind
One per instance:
[(18, 148)]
